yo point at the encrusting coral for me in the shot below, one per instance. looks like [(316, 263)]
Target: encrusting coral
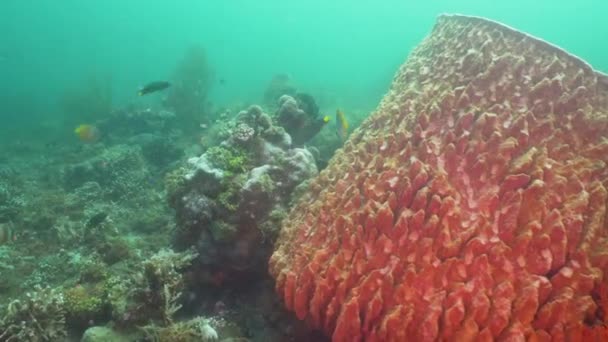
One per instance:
[(470, 206)]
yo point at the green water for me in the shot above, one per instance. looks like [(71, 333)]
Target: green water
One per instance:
[(92, 215), (348, 50)]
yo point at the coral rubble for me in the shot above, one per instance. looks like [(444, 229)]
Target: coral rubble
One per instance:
[(480, 214)]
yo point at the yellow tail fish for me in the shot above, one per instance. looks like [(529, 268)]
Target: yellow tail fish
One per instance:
[(341, 124)]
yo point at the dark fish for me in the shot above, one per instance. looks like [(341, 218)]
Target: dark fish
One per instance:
[(154, 87), (222, 81), (96, 220)]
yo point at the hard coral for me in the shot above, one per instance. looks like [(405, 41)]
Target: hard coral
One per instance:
[(84, 305), (471, 205), (225, 196), (195, 330), (152, 295), (300, 117), (39, 316)]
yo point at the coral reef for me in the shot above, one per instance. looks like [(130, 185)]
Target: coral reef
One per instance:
[(84, 305), (300, 117), (119, 170), (39, 316), (224, 198), (196, 329), (150, 296), (470, 206)]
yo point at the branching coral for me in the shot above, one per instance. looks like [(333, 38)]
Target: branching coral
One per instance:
[(164, 280), (152, 295), (470, 206), (39, 316), (196, 329)]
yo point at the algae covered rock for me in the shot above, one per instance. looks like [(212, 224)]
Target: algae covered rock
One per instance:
[(104, 334)]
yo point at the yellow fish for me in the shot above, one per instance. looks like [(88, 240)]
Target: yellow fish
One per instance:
[(341, 124), (87, 133)]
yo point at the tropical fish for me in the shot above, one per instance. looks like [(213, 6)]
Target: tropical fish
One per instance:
[(153, 87), (341, 124), (326, 119), (7, 233), (87, 133), (96, 220)]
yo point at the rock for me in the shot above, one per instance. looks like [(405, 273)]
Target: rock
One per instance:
[(104, 334)]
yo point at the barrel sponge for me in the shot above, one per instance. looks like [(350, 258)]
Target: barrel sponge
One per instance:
[(470, 205)]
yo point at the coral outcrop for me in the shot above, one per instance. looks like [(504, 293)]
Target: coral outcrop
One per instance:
[(299, 115), (471, 205), (120, 171), (229, 201), (153, 295)]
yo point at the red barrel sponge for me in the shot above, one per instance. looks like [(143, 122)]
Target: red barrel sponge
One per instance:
[(471, 205)]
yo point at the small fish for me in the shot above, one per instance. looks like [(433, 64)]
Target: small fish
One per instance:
[(96, 220), (7, 233), (341, 124), (87, 133), (222, 81), (326, 119), (153, 87)]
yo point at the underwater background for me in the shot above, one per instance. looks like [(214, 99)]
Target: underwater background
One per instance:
[(150, 150), (346, 49)]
